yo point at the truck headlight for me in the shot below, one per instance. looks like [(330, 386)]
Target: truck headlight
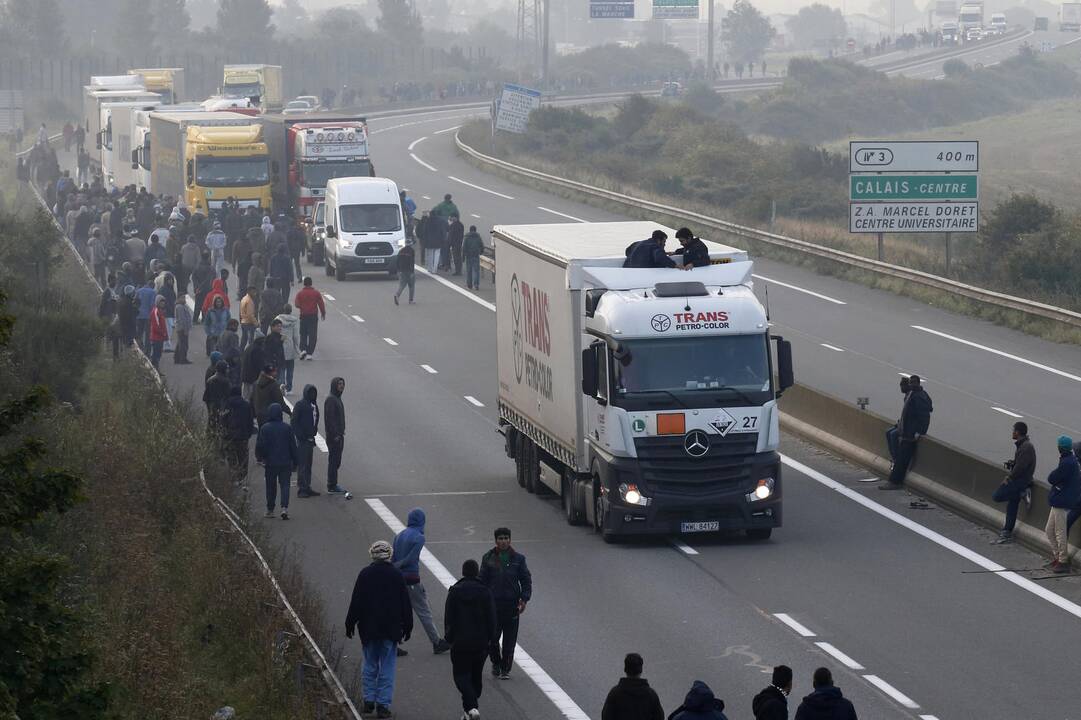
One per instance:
[(763, 491), (629, 493)]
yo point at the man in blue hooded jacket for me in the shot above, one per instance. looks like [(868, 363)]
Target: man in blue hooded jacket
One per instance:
[(306, 426), (1065, 482), (276, 449), (826, 702), (407, 546), (700, 704)]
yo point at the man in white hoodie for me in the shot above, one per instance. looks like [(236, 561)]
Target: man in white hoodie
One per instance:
[(290, 343), (215, 241)]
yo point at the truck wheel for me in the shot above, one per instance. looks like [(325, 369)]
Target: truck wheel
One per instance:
[(532, 467), (759, 534), (519, 459), (570, 506)]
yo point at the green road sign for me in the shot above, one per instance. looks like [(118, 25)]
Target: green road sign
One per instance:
[(913, 187)]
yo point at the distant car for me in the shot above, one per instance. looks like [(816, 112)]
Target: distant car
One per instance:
[(973, 34), (671, 89), (312, 100), (296, 107), (317, 234)]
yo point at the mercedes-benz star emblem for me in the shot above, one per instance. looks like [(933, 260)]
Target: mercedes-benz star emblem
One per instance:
[(661, 323), (696, 443)]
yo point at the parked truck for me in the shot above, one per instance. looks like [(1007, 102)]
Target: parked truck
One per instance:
[(207, 158), (1070, 17), (117, 140), (315, 148), (970, 17), (110, 88), (261, 83), (140, 140), (644, 398), (167, 82)]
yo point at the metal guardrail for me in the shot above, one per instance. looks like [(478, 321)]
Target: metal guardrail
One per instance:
[(636, 206)]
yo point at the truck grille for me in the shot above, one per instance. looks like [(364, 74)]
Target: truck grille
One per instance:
[(368, 249), (665, 465)]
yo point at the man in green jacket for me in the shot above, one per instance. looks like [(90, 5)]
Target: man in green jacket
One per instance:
[(472, 249), (445, 209)]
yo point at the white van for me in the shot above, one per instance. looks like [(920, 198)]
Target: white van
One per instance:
[(364, 226)]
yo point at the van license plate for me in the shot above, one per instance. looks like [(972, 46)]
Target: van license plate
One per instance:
[(373, 261), (707, 526)]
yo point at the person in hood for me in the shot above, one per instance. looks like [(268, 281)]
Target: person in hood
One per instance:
[(826, 702), (469, 625), (158, 331), (1065, 482), (202, 281), (238, 425), (252, 361), (281, 269), (290, 332), (276, 450), (915, 421), (146, 297), (257, 274), (270, 305), (215, 322), (700, 704), (306, 426), (229, 341), (274, 348), (215, 395), (182, 325), (772, 702), (266, 392), (407, 547), (190, 253), (216, 241), (242, 255), (505, 572), (267, 227), (217, 289), (215, 358), (379, 612), (127, 309), (334, 427), (694, 252), (632, 698)]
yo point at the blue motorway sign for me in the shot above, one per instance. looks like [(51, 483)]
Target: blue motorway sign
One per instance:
[(611, 9)]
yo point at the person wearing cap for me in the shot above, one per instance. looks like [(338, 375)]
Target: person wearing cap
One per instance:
[(649, 253), (1018, 483), (276, 451), (694, 252), (380, 613), (216, 241), (1065, 482)]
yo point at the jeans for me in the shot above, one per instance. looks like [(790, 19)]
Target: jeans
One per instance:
[(247, 334), (290, 365), (506, 624), (181, 354), (456, 256), (892, 442), (217, 259), (309, 333), (155, 352), (334, 460), (277, 476), (1010, 493), (468, 668), (472, 272), (306, 449), (418, 596), (406, 279), (906, 452), (431, 259), (377, 675)]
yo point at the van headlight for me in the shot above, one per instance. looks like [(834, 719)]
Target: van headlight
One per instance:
[(762, 491), (630, 494)]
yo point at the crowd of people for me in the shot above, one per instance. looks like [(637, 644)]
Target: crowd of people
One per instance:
[(442, 243)]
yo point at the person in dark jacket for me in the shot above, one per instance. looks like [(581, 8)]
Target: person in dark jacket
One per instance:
[(276, 449), (915, 421), (274, 345), (893, 433), (1065, 482), (306, 426), (407, 275), (380, 613), (252, 361), (469, 623), (772, 702), (506, 574), (1018, 483), (455, 237), (334, 427), (215, 395), (472, 249), (270, 305), (238, 425), (632, 698), (126, 310), (826, 702), (700, 704), (281, 270), (694, 252), (267, 392), (649, 253)]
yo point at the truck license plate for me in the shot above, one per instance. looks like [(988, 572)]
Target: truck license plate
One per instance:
[(373, 261), (707, 526)]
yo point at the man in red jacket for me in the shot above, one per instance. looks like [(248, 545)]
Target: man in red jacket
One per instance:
[(159, 331), (310, 305)]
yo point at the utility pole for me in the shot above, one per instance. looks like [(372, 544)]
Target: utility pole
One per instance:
[(709, 44), (546, 20)]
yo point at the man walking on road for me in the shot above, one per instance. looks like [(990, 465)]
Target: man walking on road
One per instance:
[(506, 574), (310, 305), (334, 425), (380, 613), (915, 421), (276, 450), (306, 426), (1018, 483), (469, 620), (772, 703), (407, 277), (1065, 482), (826, 702), (407, 547), (632, 698), (238, 424)]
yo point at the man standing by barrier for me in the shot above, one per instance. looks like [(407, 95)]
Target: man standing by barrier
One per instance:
[(1018, 483), (915, 421), (506, 574), (894, 432), (1065, 482)]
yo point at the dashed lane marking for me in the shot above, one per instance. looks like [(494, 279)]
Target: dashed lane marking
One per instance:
[(831, 347), (478, 187), (358, 318), (390, 341), (839, 656), (805, 291), (430, 369), (684, 547), (474, 401), (892, 691), (328, 296), (1000, 353), (556, 212), (1004, 411), (446, 130), (796, 625), (416, 142)]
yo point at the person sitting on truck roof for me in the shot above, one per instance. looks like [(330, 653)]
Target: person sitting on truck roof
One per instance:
[(694, 251), (650, 253)]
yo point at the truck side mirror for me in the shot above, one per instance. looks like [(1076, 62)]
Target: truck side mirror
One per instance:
[(786, 377), (331, 232), (135, 159), (589, 372), (191, 172)]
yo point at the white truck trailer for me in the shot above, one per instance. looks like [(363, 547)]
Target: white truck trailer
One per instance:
[(644, 398), (1069, 19), (117, 130)]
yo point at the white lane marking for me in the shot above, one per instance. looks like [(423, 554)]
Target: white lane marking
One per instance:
[(556, 212), (446, 492), (993, 351), (390, 341), (474, 401), (794, 624), (525, 661), (928, 717), (840, 656), (447, 130), (684, 547), (904, 375), (478, 187), (320, 442), (433, 169), (328, 296), (831, 347), (942, 541), (430, 369), (358, 318), (426, 197), (474, 215), (1004, 411), (416, 142), (820, 296), (457, 289), (892, 691)]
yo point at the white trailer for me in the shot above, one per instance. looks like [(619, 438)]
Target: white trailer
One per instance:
[(1070, 17)]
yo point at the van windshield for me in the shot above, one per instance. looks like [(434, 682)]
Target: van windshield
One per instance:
[(320, 213), (371, 218)]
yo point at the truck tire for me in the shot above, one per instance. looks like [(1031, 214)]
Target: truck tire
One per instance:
[(759, 534), (532, 467), (570, 504), (519, 459)]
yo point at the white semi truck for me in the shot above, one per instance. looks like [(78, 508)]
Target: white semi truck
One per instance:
[(644, 398), (117, 129), (1069, 19)]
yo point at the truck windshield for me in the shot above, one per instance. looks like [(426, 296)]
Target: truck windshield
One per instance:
[(371, 218), (231, 172), (242, 90), (735, 366), (316, 174)]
